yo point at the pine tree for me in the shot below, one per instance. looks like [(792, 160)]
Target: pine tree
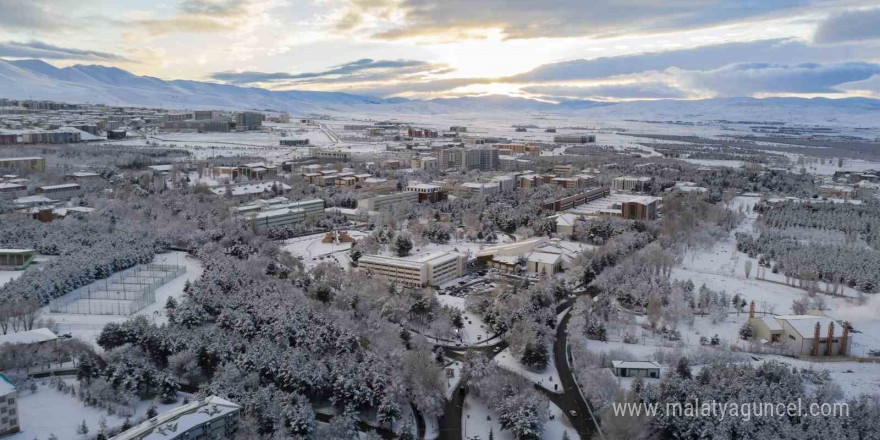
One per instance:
[(82, 429), (152, 411)]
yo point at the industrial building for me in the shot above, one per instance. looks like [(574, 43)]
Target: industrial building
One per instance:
[(813, 335)]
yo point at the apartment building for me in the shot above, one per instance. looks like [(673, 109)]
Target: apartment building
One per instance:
[(424, 163), (484, 159), (518, 148), (640, 208), (34, 163), (416, 271), (451, 158), (205, 419), (574, 139), (631, 184), (8, 406), (334, 155), (246, 121), (564, 170), (576, 200)]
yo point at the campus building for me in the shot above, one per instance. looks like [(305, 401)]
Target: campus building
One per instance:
[(630, 184), (16, 259), (814, 335), (34, 163), (63, 191), (204, 419), (387, 201), (416, 271), (427, 192), (268, 216), (8, 407)]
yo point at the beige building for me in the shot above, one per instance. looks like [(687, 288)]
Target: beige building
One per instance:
[(417, 271), (34, 163), (813, 334)]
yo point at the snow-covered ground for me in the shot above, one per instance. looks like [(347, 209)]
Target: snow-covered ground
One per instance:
[(548, 378), (9, 275), (478, 420), (313, 251), (475, 330), (87, 327), (49, 411)]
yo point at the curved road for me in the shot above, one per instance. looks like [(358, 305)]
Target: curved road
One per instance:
[(570, 399)]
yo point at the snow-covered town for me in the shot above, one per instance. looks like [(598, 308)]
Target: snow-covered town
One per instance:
[(482, 242)]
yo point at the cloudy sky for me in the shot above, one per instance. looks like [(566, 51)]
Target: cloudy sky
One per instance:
[(551, 49)]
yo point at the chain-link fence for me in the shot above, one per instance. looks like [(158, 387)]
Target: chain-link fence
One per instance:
[(123, 293)]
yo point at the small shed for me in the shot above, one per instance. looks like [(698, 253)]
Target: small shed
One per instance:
[(647, 369)]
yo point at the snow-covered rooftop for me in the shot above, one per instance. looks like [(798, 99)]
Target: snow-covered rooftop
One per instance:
[(28, 337)]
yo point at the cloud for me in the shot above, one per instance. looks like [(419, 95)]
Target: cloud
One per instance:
[(558, 18), (638, 90), (699, 58), (213, 7), (203, 16), (29, 15), (751, 79), (361, 70), (38, 49), (849, 26)]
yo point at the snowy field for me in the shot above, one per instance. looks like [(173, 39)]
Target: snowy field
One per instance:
[(313, 251), (87, 327), (49, 411)]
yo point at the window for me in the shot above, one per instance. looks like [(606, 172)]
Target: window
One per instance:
[(792, 337), (11, 400)]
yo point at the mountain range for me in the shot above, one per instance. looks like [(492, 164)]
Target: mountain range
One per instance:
[(35, 79)]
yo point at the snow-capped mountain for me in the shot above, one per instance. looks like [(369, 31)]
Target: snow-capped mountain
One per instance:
[(34, 79)]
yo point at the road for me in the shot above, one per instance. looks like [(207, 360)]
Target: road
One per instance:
[(571, 399), (584, 422)]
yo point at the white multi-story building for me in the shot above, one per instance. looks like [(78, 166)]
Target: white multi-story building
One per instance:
[(206, 419), (416, 271), (8, 406), (386, 201), (285, 214)]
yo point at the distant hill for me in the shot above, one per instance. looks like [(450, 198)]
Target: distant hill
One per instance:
[(34, 79)]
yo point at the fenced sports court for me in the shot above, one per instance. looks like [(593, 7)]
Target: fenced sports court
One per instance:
[(123, 293)]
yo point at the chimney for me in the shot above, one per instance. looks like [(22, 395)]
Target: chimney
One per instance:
[(815, 349), (752, 310), (844, 340), (830, 339)]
